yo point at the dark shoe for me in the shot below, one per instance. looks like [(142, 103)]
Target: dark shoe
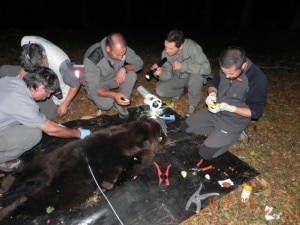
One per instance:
[(244, 137), (11, 165), (123, 112), (189, 110)]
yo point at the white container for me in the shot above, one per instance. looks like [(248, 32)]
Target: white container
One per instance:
[(247, 189), (149, 99)]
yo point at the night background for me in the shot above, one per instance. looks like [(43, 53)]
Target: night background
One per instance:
[(267, 26), (133, 15), (269, 31)]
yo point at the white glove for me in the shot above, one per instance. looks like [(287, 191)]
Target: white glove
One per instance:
[(225, 107), (214, 108), (211, 98)]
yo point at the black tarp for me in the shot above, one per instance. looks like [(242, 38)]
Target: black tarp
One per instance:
[(141, 200)]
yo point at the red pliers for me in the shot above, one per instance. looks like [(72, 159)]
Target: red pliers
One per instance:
[(201, 169), (162, 177)]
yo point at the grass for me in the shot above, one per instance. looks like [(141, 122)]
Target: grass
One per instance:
[(273, 149)]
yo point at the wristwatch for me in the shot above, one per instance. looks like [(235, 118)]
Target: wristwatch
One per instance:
[(125, 67)]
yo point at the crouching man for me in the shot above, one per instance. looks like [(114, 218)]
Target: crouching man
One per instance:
[(237, 95), (21, 122)]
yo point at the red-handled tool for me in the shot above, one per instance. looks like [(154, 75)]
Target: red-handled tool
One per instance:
[(163, 177), (201, 169), (199, 163)]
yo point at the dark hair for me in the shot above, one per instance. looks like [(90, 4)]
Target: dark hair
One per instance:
[(232, 56), (42, 76), (31, 56), (176, 36), (115, 38)]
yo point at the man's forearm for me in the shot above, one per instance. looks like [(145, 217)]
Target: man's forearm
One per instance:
[(212, 89), (71, 95), (106, 93), (245, 112)]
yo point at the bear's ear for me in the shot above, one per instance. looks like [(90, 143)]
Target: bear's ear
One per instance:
[(162, 124), (148, 121), (144, 118)]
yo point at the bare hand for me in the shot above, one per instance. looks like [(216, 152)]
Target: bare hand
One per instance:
[(121, 76), (176, 65), (122, 99), (62, 109)]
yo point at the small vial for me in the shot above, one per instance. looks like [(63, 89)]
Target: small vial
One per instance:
[(247, 189)]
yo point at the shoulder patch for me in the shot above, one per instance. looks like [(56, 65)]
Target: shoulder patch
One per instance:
[(96, 55)]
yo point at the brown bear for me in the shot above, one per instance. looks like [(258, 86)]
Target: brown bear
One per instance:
[(64, 172)]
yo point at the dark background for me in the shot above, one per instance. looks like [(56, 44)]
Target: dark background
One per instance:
[(143, 15), (267, 30)]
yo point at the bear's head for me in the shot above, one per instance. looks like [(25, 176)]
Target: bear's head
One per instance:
[(156, 136)]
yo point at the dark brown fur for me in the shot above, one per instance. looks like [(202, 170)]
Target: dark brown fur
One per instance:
[(110, 151)]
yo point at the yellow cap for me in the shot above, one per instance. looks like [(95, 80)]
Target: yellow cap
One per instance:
[(247, 187)]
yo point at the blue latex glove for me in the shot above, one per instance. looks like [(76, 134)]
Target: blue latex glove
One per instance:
[(84, 133)]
